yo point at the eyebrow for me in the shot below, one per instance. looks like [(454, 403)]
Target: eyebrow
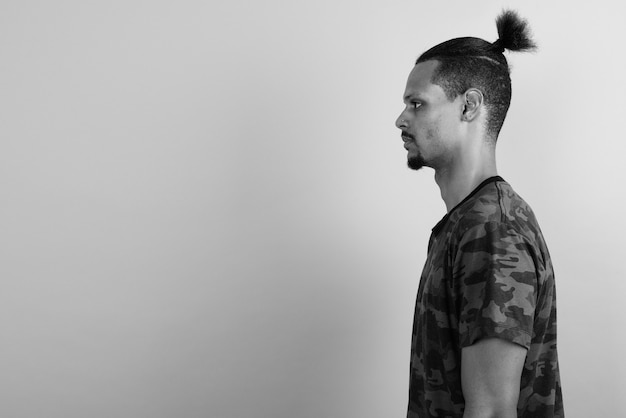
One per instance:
[(413, 96)]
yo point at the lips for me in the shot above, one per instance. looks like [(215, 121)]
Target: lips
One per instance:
[(407, 139)]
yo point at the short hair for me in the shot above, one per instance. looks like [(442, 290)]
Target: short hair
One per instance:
[(473, 62)]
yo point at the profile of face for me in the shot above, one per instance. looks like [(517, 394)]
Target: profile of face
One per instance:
[(429, 121)]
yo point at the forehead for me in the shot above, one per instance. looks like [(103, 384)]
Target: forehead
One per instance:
[(419, 82)]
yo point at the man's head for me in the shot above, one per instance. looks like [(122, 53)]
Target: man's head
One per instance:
[(469, 72), (431, 123)]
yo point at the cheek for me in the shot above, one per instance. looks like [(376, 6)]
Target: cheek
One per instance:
[(442, 129), (433, 133), (448, 121)]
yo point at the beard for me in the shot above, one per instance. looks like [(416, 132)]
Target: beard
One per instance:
[(415, 162)]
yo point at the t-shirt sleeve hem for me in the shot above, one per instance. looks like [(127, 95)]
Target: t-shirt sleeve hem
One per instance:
[(514, 335)]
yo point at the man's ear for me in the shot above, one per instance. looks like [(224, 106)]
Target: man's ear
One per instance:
[(473, 101)]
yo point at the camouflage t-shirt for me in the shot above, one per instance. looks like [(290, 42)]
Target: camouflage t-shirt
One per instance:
[(488, 274)]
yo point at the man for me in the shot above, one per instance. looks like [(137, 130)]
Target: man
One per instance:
[(484, 333)]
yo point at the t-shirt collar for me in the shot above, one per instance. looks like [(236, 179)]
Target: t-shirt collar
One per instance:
[(437, 228)]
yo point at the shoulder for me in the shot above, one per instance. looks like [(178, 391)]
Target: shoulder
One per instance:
[(497, 206), (496, 220), (485, 207), (517, 212)]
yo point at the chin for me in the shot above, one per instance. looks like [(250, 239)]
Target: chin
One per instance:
[(415, 163)]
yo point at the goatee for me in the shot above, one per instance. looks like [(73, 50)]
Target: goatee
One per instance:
[(415, 163)]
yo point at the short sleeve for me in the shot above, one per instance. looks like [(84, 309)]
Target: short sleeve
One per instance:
[(495, 285)]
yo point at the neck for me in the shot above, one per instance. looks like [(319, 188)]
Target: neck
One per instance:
[(459, 178)]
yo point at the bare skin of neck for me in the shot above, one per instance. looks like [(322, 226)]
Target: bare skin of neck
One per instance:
[(469, 167)]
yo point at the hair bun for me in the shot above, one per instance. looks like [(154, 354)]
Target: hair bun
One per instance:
[(513, 33)]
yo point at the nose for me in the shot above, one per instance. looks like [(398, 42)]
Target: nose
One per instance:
[(401, 122)]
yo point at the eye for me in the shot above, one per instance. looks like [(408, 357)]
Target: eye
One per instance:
[(415, 105)]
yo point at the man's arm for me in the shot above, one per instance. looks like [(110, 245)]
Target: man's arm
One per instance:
[(491, 371)]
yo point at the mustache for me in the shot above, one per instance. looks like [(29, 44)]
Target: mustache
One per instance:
[(408, 135)]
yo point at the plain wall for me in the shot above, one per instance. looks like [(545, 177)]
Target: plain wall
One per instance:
[(205, 209)]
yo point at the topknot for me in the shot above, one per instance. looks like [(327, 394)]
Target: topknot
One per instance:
[(513, 32)]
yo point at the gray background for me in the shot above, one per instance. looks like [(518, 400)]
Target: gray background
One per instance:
[(205, 209)]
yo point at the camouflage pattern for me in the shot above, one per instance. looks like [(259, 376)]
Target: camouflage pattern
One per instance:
[(488, 274)]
